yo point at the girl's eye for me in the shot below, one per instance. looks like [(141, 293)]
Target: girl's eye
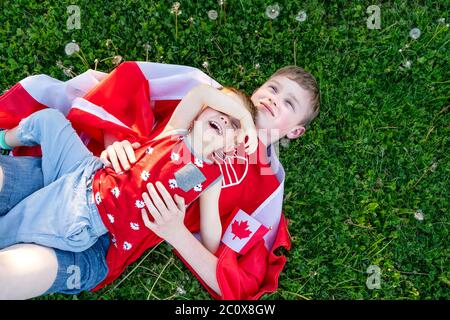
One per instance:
[(274, 89)]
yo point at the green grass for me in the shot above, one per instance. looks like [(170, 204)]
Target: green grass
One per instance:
[(377, 153)]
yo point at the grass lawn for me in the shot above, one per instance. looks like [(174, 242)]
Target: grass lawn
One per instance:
[(368, 185)]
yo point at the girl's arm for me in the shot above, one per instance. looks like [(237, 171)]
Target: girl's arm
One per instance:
[(199, 97), (210, 225), (169, 224)]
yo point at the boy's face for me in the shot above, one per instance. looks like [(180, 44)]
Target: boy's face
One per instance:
[(282, 106), (218, 130)]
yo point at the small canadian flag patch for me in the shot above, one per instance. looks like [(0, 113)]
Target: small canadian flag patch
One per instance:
[(243, 232)]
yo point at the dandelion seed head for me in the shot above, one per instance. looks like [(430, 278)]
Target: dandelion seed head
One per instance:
[(419, 215), (71, 48), (212, 14), (273, 11), (301, 16), (116, 60), (147, 47), (180, 291), (415, 33), (407, 64)]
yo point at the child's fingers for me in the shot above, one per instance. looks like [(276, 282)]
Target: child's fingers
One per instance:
[(113, 159), (118, 147), (136, 145), (130, 152)]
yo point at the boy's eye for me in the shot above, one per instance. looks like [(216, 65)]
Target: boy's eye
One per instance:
[(290, 104), (274, 89), (235, 124)]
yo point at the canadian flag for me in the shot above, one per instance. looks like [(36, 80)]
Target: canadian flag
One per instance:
[(243, 232)]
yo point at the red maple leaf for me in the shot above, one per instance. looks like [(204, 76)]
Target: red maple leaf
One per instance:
[(240, 229)]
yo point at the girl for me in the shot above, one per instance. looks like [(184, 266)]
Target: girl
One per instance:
[(82, 199)]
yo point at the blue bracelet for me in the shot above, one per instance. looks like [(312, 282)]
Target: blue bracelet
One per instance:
[(3, 144)]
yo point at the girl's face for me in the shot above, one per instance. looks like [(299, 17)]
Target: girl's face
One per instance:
[(217, 130)]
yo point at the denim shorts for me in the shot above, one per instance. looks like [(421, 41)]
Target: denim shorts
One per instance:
[(77, 271), (62, 214), (81, 271)]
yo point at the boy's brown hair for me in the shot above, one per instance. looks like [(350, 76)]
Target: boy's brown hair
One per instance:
[(307, 81), (246, 100)]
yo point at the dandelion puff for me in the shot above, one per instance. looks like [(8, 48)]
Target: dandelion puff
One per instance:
[(407, 64), (175, 9), (68, 71), (71, 48), (415, 33), (212, 14), (205, 64), (433, 167), (273, 11), (147, 47), (180, 291), (301, 16), (419, 215), (116, 60)]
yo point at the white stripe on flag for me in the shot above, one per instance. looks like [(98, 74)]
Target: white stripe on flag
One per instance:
[(89, 107)]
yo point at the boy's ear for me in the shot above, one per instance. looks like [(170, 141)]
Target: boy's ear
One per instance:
[(296, 132)]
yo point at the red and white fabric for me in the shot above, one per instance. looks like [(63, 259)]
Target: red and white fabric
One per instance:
[(118, 100)]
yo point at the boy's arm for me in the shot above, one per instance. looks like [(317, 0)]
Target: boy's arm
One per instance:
[(210, 225), (199, 97)]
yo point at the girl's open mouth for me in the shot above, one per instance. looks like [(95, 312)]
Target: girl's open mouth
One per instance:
[(216, 126)]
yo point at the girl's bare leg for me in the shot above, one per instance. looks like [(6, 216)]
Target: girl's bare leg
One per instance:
[(26, 271)]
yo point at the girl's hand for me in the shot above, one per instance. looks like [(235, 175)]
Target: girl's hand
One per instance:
[(168, 214), (122, 152), (248, 129)]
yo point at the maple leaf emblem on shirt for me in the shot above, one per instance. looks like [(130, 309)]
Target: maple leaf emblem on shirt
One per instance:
[(134, 226), (127, 246), (175, 156), (240, 229), (110, 217), (115, 191), (173, 184), (140, 204), (145, 175), (98, 198), (198, 163)]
